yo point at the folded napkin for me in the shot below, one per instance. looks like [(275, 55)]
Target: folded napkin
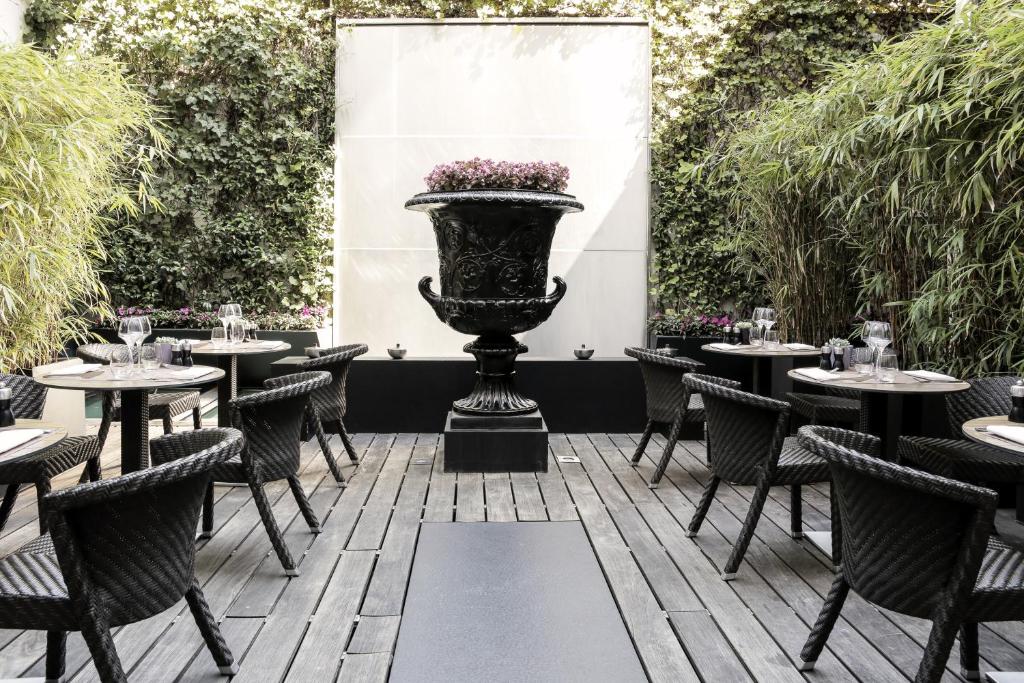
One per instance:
[(818, 374), (931, 376), (178, 375), (12, 438), (193, 342), (724, 346), (266, 344), (1008, 432), (80, 369), (797, 346)]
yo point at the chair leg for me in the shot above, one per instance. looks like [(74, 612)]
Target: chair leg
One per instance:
[(666, 455), (42, 488), (332, 464), (197, 418), (349, 448), (274, 531), (702, 506), (104, 656), (837, 528), (10, 497), (168, 424), (644, 440), (304, 507), (207, 531), (936, 652), (56, 647), (747, 532), (93, 469), (211, 632), (796, 505), (969, 666), (826, 621)]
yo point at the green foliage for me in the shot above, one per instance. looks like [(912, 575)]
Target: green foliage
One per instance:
[(906, 168), (247, 89), (69, 156)]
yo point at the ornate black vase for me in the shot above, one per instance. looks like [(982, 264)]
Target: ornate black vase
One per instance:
[(493, 247)]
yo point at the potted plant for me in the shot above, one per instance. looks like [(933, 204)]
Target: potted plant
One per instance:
[(689, 330)]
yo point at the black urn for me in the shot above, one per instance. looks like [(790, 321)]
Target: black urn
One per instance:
[(493, 247)]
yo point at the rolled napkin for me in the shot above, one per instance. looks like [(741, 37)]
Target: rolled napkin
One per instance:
[(723, 346), (818, 374), (80, 369), (797, 346), (930, 376), (1015, 434), (12, 438)]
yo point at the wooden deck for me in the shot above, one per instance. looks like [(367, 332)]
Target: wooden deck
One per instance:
[(339, 620)]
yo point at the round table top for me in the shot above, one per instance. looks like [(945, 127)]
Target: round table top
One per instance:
[(55, 434), (970, 429), (904, 384), (103, 380), (244, 349), (762, 352)]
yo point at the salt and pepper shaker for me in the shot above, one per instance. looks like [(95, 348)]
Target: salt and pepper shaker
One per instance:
[(826, 358), (727, 335), (186, 353), (1016, 402), (6, 414), (176, 353)]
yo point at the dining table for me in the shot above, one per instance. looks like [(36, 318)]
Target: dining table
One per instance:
[(226, 354), (52, 434), (134, 389), (769, 364)]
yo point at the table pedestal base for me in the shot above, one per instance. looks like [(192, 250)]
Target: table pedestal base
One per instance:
[(227, 389), (134, 430)]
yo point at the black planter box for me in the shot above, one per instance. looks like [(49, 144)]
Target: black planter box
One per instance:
[(716, 364), (252, 370)]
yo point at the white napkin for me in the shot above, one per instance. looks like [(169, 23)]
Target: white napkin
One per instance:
[(80, 369), (12, 438), (266, 344), (724, 346), (818, 373), (184, 373), (931, 376), (797, 346), (1008, 432), (193, 342)]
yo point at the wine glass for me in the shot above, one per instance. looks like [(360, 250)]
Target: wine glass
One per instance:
[(757, 317), (769, 318), (227, 313), (877, 335)]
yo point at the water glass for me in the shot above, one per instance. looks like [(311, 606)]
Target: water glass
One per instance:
[(755, 335), (149, 357), (236, 331), (121, 362), (771, 340), (863, 360), (250, 331), (888, 366), (218, 336)]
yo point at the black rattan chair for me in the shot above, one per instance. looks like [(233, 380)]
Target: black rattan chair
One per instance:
[(122, 550), (670, 403), (747, 445), (27, 399), (917, 544), (162, 405), (959, 458), (329, 403), (834, 407), (271, 422)]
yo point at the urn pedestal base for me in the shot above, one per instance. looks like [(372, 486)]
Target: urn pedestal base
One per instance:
[(495, 443)]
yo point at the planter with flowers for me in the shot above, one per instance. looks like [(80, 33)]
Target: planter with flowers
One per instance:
[(306, 327), (687, 331)]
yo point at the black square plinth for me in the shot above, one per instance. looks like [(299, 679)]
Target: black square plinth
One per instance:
[(494, 443)]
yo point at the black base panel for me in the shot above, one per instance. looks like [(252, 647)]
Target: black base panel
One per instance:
[(495, 449), (518, 601), (528, 421)]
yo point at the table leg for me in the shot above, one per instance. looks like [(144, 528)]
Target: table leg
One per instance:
[(782, 383), (882, 415), (227, 388), (134, 430), (762, 379)]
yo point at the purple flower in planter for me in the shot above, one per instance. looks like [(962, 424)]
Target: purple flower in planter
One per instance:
[(477, 174)]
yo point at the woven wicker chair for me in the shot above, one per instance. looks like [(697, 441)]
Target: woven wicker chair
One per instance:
[(122, 550), (271, 422), (162, 405), (917, 544), (27, 398), (747, 445), (834, 407), (959, 458), (329, 403), (670, 403)]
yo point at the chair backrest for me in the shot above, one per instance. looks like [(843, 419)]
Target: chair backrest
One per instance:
[(97, 353), (663, 382), (330, 400), (27, 396), (745, 431), (272, 420), (910, 540), (987, 396), (126, 545)]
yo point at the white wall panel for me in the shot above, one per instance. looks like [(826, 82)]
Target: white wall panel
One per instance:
[(12, 14), (414, 94)]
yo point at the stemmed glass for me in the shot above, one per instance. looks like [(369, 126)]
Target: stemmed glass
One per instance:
[(877, 335), (133, 331), (758, 314), (227, 313), (765, 318)]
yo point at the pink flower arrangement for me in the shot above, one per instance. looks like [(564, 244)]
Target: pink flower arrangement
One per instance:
[(487, 174)]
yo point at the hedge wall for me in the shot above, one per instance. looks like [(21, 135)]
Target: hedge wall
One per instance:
[(247, 92)]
